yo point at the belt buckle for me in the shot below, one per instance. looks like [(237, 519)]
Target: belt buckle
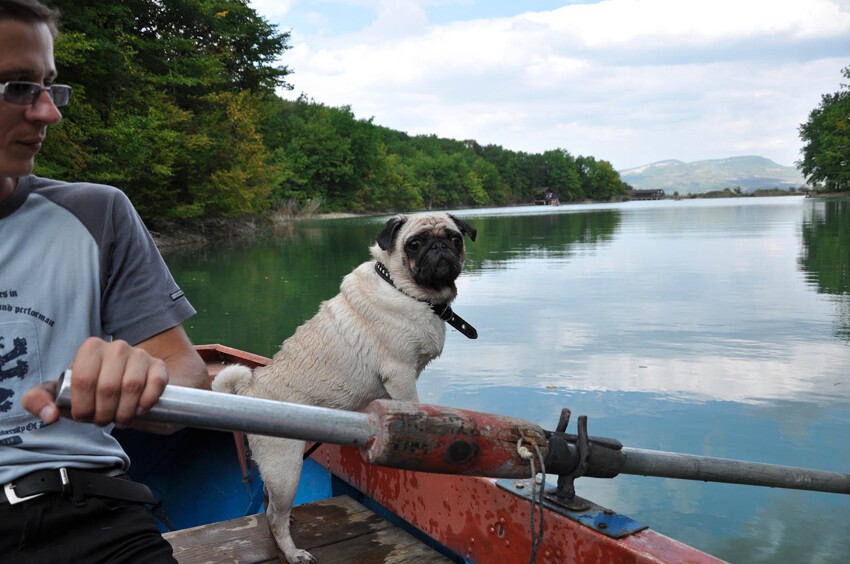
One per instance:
[(12, 498)]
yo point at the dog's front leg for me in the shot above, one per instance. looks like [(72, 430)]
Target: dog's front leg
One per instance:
[(400, 384), (280, 462)]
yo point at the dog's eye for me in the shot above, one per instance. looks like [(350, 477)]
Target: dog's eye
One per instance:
[(457, 240), (414, 244)]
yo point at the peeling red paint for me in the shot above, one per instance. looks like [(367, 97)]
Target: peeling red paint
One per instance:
[(455, 509), (435, 438)]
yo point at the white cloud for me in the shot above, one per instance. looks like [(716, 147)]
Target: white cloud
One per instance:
[(398, 18), (630, 81), (272, 10)]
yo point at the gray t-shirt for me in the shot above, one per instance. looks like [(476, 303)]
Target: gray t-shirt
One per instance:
[(75, 261)]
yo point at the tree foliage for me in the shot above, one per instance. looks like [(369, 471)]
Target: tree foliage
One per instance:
[(166, 103), (826, 153), (175, 103)]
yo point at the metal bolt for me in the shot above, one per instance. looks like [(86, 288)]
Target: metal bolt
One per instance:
[(608, 512), (603, 525)]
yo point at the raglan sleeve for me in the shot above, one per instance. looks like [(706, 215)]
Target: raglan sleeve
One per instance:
[(139, 297)]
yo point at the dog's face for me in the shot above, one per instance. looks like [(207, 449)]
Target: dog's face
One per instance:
[(424, 253)]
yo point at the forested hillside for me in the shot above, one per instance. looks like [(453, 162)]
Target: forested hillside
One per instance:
[(175, 103)]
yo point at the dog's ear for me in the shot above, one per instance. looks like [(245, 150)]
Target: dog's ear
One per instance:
[(388, 234), (464, 227)]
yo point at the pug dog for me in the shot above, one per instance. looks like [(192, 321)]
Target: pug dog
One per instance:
[(370, 341)]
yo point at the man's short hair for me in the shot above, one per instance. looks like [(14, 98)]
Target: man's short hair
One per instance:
[(30, 11)]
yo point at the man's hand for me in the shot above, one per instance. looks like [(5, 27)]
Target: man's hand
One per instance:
[(113, 382), (116, 382)]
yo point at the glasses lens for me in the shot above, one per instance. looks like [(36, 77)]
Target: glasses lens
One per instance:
[(61, 94), (27, 93), (21, 92)]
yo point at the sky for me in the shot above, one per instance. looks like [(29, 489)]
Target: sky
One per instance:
[(631, 82)]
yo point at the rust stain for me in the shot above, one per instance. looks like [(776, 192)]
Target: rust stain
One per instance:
[(465, 507)]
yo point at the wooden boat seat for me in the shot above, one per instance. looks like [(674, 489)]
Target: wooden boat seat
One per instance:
[(334, 530)]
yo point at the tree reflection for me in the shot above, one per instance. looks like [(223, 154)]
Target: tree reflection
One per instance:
[(825, 257), (253, 294), (504, 238)]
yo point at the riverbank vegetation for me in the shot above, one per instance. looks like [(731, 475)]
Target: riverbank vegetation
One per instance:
[(175, 103), (738, 192), (826, 138)]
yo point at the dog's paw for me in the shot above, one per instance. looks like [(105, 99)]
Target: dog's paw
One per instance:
[(300, 557), (231, 379)]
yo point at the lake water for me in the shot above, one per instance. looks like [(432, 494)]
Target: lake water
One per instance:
[(708, 327)]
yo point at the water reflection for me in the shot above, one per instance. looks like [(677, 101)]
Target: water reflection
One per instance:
[(705, 327), (524, 237), (253, 295), (825, 256), (690, 300)]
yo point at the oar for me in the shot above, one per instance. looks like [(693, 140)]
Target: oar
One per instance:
[(429, 438)]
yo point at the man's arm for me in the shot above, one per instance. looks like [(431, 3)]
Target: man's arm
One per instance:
[(115, 382), (185, 366)]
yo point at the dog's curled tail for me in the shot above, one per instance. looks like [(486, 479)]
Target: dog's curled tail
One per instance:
[(232, 379)]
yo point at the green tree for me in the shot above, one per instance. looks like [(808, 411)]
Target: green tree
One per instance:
[(826, 137), (175, 103), (557, 170), (401, 187), (599, 180), (515, 172), (149, 76), (495, 189)]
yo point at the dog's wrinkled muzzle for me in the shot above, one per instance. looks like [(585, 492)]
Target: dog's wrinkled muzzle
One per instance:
[(437, 267)]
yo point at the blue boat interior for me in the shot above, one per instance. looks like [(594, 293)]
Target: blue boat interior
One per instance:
[(197, 478)]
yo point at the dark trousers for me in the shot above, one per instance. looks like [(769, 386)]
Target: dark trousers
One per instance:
[(52, 529)]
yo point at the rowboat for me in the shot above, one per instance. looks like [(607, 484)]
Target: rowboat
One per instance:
[(211, 496), (359, 506)]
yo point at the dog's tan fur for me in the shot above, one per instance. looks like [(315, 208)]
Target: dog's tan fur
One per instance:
[(370, 341)]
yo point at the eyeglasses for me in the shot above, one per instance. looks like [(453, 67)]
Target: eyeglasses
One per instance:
[(26, 93)]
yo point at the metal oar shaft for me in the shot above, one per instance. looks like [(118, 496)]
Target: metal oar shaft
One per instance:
[(441, 439), (228, 412), (396, 434), (709, 469)]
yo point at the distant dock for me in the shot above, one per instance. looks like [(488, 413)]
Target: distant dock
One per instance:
[(657, 194)]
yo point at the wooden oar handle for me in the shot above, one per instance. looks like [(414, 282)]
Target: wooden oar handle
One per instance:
[(432, 438)]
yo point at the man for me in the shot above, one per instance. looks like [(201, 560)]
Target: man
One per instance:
[(82, 286)]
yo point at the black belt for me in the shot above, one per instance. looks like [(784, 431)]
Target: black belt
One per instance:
[(74, 483)]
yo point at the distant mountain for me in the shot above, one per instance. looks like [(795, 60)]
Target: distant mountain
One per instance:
[(748, 173)]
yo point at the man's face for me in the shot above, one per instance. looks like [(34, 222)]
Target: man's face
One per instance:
[(26, 53)]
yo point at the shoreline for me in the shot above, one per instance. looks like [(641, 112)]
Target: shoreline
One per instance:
[(829, 195), (180, 234)]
